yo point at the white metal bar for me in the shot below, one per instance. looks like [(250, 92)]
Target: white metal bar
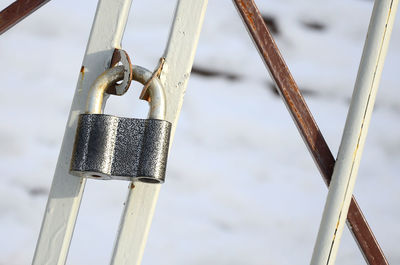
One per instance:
[(66, 191), (355, 132), (142, 198)]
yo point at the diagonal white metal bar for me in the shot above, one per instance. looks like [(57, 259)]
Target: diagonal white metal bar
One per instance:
[(142, 198), (66, 190), (355, 132)]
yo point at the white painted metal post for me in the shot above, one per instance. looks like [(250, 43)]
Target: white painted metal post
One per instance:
[(141, 201), (355, 132), (66, 191)]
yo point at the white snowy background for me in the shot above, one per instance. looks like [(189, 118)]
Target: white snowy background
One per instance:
[(241, 187)]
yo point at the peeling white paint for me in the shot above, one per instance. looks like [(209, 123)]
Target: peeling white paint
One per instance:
[(355, 132), (141, 201), (66, 191)]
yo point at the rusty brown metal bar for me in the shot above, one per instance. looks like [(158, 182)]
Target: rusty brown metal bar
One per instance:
[(306, 124), (17, 11)]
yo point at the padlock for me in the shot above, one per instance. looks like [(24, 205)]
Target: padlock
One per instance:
[(111, 147)]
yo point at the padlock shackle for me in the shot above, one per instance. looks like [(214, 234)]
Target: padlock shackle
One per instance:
[(100, 85), (115, 74), (155, 90)]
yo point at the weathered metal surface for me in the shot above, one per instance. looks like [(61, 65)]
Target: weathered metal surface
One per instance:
[(155, 92), (17, 11), (66, 191), (110, 147), (97, 90), (305, 123), (355, 132), (121, 57), (175, 72)]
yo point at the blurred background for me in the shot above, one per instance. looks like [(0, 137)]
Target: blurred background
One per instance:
[(241, 187)]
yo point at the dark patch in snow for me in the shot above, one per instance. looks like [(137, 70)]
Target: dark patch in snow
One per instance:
[(223, 226), (272, 88), (314, 25), (271, 24), (213, 73), (38, 191), (304, 91), (308, 92)]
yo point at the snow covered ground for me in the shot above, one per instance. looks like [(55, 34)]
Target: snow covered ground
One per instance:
[(241, 187)]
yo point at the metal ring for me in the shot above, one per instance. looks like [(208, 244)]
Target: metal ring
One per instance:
[(156, 97), (121, 56)]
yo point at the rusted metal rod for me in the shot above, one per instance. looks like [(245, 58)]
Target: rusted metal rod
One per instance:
[(306, 124), (17, 11)]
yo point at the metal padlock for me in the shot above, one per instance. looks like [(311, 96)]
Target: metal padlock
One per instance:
[(111, 147)]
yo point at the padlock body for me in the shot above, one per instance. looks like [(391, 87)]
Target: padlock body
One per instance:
[(110, 147)]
